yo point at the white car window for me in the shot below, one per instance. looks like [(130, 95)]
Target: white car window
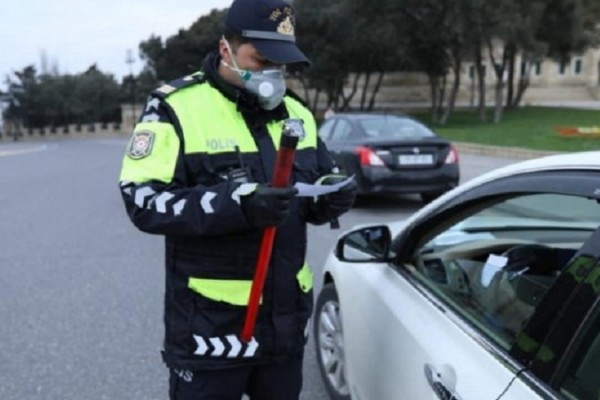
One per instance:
[(494, 265)]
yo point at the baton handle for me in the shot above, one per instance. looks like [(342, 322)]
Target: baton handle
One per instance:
[(281, 178)]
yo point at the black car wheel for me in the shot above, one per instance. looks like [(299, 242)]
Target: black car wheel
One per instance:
[(329, 343)]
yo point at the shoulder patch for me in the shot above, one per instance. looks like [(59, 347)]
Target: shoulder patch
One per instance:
[(140, 145), (173, 86)]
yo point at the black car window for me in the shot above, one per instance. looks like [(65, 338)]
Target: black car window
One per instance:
[(325, 130), (580, 378), (341, 131), (392, 127), (494, 264)]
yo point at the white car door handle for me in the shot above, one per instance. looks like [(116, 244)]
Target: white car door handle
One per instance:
[(434, 379)]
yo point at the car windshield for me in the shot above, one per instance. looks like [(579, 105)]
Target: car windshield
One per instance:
[(392, 127)]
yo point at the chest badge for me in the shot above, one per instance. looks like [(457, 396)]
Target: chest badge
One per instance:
[(140, 145)]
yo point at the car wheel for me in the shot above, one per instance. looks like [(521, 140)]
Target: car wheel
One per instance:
[(329, 343)]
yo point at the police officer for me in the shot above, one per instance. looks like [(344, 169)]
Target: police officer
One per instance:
[(197, 170)]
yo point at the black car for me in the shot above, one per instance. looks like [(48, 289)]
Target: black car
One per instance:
[(391, 154)]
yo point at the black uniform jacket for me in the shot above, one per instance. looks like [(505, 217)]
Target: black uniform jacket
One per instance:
[(221, 247)]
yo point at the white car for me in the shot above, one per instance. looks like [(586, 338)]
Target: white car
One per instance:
[(490, 292)]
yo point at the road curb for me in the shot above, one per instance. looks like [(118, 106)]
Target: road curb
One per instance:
[(501, 151)]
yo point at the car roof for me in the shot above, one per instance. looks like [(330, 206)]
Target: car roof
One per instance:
[(589, 160)]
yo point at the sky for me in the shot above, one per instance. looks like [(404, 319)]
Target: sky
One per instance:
[(74, 34)]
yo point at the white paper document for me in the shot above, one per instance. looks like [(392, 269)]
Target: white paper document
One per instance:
[(492, 265), (308, 190)]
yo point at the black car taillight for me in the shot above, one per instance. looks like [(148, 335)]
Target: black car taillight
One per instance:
[(366, 156)]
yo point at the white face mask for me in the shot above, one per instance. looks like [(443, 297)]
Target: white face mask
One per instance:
[(268, 85)]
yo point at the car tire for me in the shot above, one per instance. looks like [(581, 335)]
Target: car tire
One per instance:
[(329, 343)]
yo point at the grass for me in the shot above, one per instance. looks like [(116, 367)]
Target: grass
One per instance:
[(528, 127)]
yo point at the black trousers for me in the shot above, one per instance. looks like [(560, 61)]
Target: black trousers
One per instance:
[(259, 382)]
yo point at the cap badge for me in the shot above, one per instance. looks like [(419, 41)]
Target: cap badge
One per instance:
[(286, 27), (278, 13)]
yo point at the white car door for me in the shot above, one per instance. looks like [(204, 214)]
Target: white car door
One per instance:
[(442, 324), (401, 344)]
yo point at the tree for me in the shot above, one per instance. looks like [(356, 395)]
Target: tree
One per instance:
[(377, 46), (97, 96), (320, 33), (536, 28), (152, 53), (23, 91), (183, 53), (135, 88), (352, 44), (346, 39), (52, 99), (424, 26), (569, 26)]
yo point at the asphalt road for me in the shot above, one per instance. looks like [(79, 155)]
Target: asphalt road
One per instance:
[(81, 289)]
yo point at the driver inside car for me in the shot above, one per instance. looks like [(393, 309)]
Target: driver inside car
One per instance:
[(513, 292)]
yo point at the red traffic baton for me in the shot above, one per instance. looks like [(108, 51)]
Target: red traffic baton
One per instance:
[(292, 132)]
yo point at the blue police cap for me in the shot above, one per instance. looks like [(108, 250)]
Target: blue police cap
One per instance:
[(270, 26)]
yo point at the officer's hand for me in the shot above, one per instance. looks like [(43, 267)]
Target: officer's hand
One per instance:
[(267, 205), (340, 201)]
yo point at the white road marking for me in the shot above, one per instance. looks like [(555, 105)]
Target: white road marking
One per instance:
[(15, 151)]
